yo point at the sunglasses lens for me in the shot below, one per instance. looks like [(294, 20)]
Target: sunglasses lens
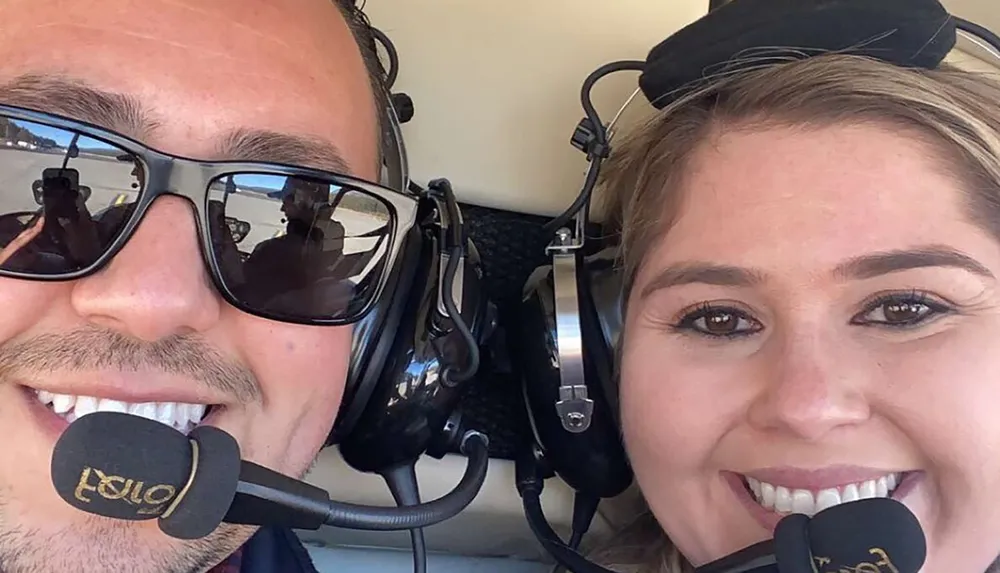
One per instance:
[(64, 197), (288, 246), (296, 247)]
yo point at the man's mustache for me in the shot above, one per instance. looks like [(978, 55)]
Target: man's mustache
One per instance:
[(94, 348)]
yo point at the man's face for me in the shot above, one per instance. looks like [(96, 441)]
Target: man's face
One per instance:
[(200, 75)]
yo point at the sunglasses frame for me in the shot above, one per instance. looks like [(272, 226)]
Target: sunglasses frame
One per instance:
[(179, 176)]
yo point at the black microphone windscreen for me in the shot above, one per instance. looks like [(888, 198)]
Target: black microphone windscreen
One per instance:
[(912, 33), (791, 544), (211, 489), (120, 466), (877, 532)]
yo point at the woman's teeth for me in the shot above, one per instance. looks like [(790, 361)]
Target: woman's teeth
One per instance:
[(182, 417), (785, 500)]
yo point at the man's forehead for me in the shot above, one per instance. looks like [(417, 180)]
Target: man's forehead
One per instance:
[(225, 79), (125, 114)]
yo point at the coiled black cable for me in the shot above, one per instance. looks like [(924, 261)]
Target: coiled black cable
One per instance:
[(598, 150)]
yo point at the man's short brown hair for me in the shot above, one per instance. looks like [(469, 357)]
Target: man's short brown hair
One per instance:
[(361, 28)]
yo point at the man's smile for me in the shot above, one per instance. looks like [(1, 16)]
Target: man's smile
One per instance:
[(179, 415)]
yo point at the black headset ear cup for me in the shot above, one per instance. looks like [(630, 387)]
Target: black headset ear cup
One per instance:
[(592, 461), (602, 321), (398, 342), (372, 345), (409, 398)]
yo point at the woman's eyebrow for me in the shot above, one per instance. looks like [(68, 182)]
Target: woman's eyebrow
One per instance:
[(702, 272), (876, 264), (858, 268)]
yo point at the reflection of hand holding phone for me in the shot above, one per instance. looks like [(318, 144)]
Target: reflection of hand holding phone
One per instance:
[(34, 218), (59, 199), (65, 207), (59, 192), (31, 230)]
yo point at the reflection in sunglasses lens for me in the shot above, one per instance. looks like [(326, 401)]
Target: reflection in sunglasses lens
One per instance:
[(287, 246), (298, 247), (64, 197)]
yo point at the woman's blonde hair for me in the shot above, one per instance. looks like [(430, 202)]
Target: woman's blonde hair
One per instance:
[(954, 110)]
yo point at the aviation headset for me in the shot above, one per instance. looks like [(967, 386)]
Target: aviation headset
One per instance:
[(572, 308), (417, 347)]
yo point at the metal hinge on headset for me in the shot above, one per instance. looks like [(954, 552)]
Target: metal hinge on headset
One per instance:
[(574, 407)]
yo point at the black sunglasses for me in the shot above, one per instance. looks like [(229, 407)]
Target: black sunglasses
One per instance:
[(281, 242)]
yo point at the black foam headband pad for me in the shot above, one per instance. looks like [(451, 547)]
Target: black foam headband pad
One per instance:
[(910, 33)]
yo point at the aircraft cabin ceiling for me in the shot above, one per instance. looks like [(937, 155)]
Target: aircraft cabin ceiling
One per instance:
[(496, 85), (983, 12)]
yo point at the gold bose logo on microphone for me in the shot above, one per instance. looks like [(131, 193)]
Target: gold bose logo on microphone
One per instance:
[(149, 501), (882, 564)]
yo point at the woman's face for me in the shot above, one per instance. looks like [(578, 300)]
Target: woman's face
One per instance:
[(822, 322)]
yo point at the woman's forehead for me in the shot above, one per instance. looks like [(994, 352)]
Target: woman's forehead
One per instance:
[(824, 192)]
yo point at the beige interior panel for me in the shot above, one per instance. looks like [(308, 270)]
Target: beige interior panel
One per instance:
[(496, 87)]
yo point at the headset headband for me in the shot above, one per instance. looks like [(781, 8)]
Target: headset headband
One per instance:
[(738, 35), (396, 168)]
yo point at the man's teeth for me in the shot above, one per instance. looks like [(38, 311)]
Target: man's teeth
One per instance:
[(183, 417), (784, 500)]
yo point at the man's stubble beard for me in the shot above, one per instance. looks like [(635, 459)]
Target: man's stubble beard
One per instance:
[(97, 544)]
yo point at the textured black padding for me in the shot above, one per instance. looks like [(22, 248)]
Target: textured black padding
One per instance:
[(121, 466), (912, 33), (874, 531), (212, 490), (511, 245)]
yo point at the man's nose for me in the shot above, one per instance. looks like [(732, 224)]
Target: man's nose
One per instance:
[(810, 388), (157, 285)]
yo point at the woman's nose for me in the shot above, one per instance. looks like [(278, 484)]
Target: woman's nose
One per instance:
[(157, 285), (811, 387)]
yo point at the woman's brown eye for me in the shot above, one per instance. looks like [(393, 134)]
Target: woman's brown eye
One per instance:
[(900, 310), (721, 323), (904, 311), (718, 322)]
